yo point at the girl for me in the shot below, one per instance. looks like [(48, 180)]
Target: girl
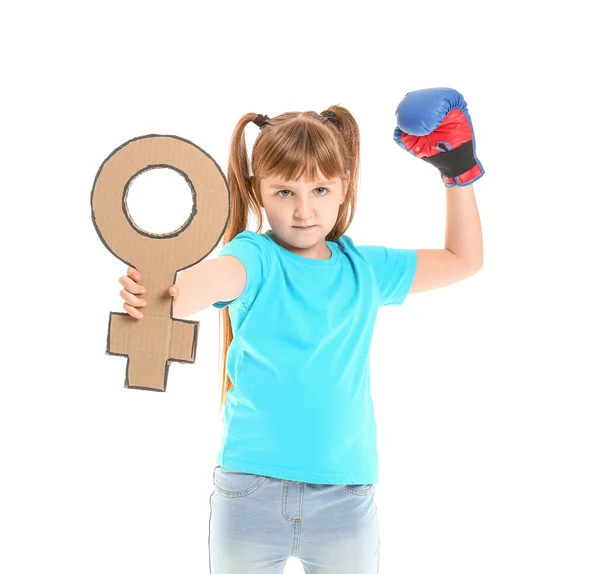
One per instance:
[(298, 461)]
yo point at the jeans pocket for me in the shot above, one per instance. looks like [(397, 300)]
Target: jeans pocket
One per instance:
[(234, 483), (358, 489)]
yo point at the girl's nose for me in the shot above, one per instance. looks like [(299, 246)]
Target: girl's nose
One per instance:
[(304, 211)]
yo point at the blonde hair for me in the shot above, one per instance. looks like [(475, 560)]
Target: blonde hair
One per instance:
[(289, 145)]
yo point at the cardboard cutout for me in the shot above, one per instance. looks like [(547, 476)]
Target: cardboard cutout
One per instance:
[(151, 343)]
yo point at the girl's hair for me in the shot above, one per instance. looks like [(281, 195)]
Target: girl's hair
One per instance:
[(287, 146)]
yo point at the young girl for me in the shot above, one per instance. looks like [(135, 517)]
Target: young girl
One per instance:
[(296, 471)]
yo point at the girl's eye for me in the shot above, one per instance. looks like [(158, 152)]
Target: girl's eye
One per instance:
[(288, 191)]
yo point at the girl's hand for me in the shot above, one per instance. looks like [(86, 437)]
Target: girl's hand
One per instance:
[(132, 287)]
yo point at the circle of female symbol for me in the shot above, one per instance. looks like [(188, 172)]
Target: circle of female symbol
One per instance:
[(153, 342)]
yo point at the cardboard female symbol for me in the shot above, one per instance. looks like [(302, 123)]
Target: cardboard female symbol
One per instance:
[(150, 344)]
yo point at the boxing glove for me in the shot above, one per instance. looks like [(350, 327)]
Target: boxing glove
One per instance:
[(434, 125)]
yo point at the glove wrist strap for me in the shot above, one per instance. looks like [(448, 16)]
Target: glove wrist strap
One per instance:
[(454, 162)]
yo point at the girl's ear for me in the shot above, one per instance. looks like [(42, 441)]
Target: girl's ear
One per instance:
[(346, 185), (256, 190)]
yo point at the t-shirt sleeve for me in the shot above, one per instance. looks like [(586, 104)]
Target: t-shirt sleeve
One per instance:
[(394, 271), (252, 251)]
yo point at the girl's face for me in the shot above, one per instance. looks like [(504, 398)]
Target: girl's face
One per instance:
[(290, 205)]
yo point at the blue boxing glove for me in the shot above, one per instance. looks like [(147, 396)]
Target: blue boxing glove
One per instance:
[(434, 125)]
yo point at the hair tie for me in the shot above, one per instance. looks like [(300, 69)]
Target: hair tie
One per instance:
[(330, 115), (260, 120)]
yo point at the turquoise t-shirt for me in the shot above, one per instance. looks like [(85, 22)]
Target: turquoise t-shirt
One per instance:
[(301, 406)]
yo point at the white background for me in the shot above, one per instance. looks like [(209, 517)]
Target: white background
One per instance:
[(486, 392)]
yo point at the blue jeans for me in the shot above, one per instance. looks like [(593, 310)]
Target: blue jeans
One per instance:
[(258, 522)]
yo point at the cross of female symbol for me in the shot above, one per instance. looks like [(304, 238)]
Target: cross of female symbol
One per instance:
[(152, 343)]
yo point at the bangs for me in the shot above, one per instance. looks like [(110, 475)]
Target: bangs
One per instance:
[(301, 148)]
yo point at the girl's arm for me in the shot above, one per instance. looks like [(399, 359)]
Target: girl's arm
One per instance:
[(218, 279), (463, 254), (463, 226)]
